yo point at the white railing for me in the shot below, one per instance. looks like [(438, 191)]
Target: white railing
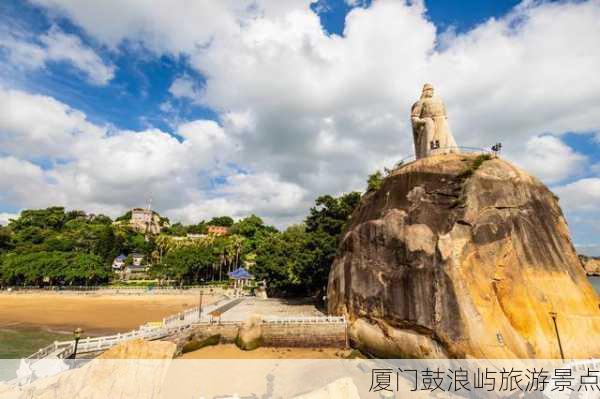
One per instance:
[(192, 315), (169, 325), (304, 320), (65, 349)]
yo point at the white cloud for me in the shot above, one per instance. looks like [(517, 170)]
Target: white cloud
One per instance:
[(108, 171), (242, 194), (548, 158), (185, 87), (34, 126), (581, 195), (165, 25), (5, 217), (25, 184), (56, 45)]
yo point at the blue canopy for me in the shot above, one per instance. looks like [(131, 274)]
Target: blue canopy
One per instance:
[(240, 274)]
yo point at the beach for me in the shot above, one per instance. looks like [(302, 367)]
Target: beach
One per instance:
[(29, 321), (96, 314)]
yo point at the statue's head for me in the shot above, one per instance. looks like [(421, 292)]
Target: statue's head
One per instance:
[(427, 90)]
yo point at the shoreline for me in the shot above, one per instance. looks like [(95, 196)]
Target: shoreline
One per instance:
[(125, 291)]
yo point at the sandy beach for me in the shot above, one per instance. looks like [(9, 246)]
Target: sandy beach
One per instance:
[(95, 314), (230, 351)]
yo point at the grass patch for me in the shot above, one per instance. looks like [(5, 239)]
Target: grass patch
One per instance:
[(477, 162), (194, 345), (248, 346), (355, 354)]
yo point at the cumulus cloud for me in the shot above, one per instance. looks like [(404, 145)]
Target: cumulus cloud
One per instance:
[(580, 201), (581, 195), (164, 25), (99, 169), (5, 217), (185, 87), (548, 158), (35, 126), (242, 194), (56, 45), (320, 112)]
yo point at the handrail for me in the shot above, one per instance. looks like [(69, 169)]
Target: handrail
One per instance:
[(304, 320), (169, 325), (178, 322), (463, 149)]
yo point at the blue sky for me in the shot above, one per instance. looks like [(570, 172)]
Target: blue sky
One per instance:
[(133, 98), (235, 106)]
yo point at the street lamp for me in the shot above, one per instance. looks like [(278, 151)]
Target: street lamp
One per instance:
[(77, 333), (553, 315), (200, 301)]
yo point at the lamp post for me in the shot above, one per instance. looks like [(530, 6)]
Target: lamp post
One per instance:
[(77, 333), (553, 315), (200, 301)]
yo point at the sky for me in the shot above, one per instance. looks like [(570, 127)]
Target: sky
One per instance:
[(235, 107)]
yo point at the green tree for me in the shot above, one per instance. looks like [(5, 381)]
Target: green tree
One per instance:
[(225, 221), (281, 260), (325, 223), (55, 267), (176, 229), (49, 218), (374, 182), (188, 264), (6, 242), (124, 217)]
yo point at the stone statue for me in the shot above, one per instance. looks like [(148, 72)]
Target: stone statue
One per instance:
[(431, 132)]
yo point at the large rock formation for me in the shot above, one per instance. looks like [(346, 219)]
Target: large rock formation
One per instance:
[(463, 256), (591, 265), (133, 369)]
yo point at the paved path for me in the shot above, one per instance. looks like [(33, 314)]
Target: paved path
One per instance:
[(234, 310), (268, 307)]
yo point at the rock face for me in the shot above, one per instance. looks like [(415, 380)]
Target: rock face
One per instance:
[(140, 349), (129, 370), (250, 333), (463, 256), (591, 265)]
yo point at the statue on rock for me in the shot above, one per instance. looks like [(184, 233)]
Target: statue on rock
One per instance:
[(431, 132)]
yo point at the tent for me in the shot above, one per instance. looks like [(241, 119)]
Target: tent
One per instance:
[(240, 277)]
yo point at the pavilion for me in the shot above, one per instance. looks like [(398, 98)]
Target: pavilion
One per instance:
[(241, 277)]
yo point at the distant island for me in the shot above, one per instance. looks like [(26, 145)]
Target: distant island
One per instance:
[(591, 264)]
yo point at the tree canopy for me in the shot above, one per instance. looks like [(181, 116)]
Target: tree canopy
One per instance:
[(54, 246)]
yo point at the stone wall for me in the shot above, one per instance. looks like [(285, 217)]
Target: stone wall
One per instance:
[(275, 335), (304, 335)]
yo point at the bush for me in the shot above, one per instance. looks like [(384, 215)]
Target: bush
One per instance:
[(194, 345), (477, 162)]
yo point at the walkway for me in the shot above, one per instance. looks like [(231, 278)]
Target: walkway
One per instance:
[(232, 310), (169, 326)]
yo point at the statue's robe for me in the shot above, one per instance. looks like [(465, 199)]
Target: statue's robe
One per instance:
[(431, 132)]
